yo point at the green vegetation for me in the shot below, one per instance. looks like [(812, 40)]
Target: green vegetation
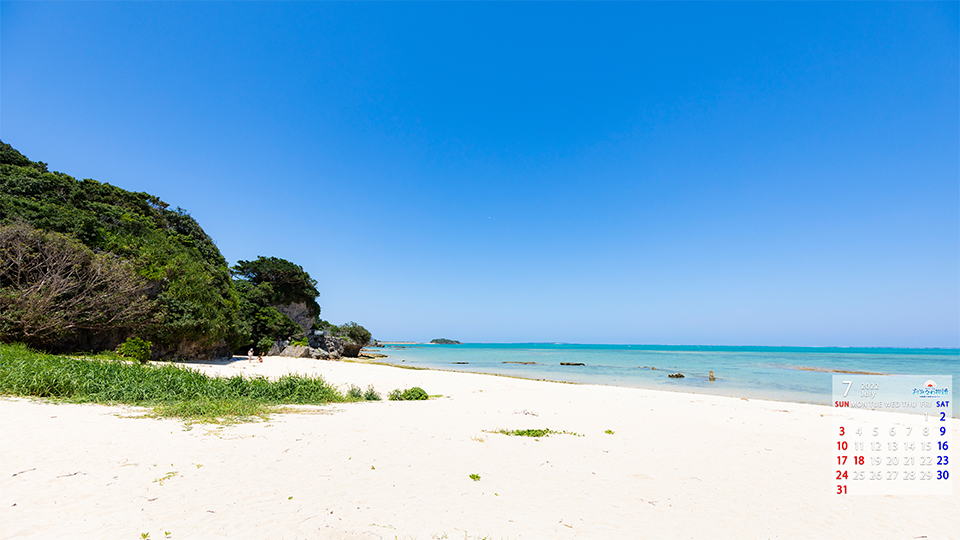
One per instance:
[(172, 390), (371, 394), (475, 477), (411, 394), (172, 261), (135, 348), (85, 265), (175, 391), (53, 289), (263, 285), (609, 432), (350, 332), (354, 333), (444, 341), (534, 432), (288, 283)]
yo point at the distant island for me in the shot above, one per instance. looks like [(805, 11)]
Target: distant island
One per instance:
[(443, 341)]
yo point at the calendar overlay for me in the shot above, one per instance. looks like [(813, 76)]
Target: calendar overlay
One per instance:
[(891, 435)]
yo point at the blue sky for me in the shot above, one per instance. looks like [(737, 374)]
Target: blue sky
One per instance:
[(657, 173)]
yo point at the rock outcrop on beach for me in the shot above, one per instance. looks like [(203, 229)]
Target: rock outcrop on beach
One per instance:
[(351, 350), (298, 312), (318, 347), (296, 351), (333, 346)]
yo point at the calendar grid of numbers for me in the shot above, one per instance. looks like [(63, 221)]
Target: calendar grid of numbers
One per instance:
[(891, 435)]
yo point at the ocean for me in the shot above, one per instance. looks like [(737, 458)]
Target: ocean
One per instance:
[(751, 372)]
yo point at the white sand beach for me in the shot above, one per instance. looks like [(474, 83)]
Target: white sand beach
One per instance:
[(677, 466)]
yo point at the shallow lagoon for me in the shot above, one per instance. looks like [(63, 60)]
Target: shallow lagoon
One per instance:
[(751, 372)]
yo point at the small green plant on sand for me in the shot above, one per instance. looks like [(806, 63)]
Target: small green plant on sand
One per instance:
[(609, 432), (355, 393), (534, 432), (371, 394), (411, 394), (475, 477), (165, 477), (135, 348), (145, 535)]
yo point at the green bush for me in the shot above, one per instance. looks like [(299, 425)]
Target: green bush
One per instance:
[(264, 345), (411, 394), (135, 348), (371, 394), (354, 333), (355, 393)]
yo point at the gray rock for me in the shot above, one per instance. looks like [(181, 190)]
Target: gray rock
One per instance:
[(351, 350), (320, 354), (298, 313), (332, 345), (296, 351), (277, 348)]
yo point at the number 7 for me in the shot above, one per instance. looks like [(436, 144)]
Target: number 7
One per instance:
[(848, 383)]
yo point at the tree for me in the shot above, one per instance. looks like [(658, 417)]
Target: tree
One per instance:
[(53, 288), (189, 280), (288, 281), (354, 333)]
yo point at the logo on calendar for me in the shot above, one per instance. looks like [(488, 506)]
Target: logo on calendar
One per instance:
[(930, 389)]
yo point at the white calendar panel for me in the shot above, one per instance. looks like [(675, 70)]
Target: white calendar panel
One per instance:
[(891, 435)]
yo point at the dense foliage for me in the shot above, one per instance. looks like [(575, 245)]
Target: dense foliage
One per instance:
[(86, 265), (444, 341), (135, 348), (350, 332), (190, 290), (288, 282), (262, 286), (56, 292)]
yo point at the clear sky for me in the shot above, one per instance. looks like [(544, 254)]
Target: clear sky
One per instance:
[(656, 173)]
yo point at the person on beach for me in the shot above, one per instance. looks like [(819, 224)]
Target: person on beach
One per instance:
[(260, 358), (250, 355)]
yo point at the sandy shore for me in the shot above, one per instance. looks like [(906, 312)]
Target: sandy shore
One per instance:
[(678, 466)]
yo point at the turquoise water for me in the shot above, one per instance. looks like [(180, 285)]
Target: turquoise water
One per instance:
[(752, 372)]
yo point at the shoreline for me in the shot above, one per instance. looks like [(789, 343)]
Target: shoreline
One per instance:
[(673, 464)]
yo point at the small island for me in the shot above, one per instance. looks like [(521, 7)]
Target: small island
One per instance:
[(444, 341)]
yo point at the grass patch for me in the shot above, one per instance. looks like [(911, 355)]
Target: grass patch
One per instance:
[(173, 390), (475, 477), (215, 410), (410, 394), (609, 432), (534, 432)]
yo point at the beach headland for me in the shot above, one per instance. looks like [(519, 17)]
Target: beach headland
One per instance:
[(623, 463)]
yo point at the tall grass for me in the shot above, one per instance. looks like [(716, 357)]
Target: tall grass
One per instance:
[(178, 391)]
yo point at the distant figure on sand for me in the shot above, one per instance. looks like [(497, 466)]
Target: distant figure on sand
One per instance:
[(250, 355), (260, 358)]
